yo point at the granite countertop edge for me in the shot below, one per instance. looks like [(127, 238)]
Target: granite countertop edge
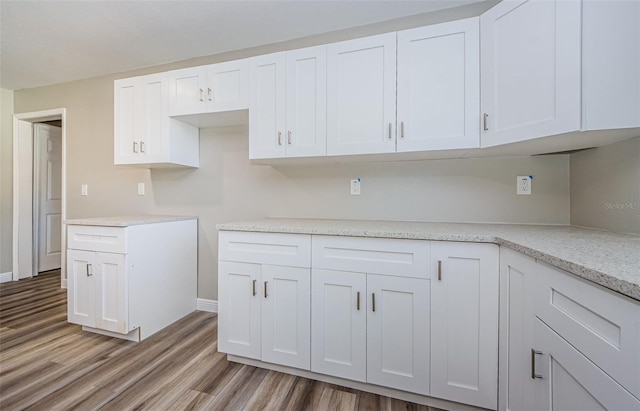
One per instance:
[(561, 259), (126, 221)]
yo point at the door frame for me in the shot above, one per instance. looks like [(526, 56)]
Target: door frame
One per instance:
[(23, 237)]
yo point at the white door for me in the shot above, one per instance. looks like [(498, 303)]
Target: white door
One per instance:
[(361, 96), (152, 114), (240, 300), (228, 86), (567, 380), (267, 78), (439, 86), (81, 268), (126, 122), (286, 316), (112, 300), (306, 102), (531, 68), (398, 332), (464, 323), (339, 324), (48, 160), (517, 316), (187, 91)]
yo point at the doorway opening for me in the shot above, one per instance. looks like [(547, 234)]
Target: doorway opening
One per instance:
[(39, 197)]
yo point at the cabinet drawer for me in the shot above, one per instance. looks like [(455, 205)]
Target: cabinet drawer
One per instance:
[(293, 250), (603, 326), (403, 258), (94, 238)]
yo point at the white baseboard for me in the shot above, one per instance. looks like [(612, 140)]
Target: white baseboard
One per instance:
[(203, 304), (8, 276)]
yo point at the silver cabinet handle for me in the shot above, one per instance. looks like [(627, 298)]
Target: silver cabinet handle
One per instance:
[(142, 146), (279, 138), (439, 270), (89, 270), (358, 301), (209, 91), (533, 364), (389, 131), (485, 125), (289, 137), (135, 147), (373, 302), (254, 288), (402, 129), (201, 97), (265, 289)]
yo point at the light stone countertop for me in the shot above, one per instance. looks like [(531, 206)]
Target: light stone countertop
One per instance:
[(609, 259), (125, 221)]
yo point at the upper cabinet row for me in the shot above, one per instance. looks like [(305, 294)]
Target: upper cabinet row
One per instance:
[(524, 70)]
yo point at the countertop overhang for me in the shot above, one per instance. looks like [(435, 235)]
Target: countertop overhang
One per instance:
[(609, 259), (126, 221)]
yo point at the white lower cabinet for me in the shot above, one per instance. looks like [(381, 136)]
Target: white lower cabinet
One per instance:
[(566, 344), (464, 323), (371, 328)]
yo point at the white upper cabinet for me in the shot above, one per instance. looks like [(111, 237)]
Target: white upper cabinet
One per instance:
[(610, 64), (530, 70), (287, 115), (361, 96), (209, 89), (439, 87), (144, 134), (267, 76)]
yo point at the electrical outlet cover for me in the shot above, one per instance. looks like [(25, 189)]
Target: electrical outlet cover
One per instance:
[(524, 185)]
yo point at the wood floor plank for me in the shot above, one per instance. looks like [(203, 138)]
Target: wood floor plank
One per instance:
[(48, 364)]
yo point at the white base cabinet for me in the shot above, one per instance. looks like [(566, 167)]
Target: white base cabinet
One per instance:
[(565, 343), (131, 281)]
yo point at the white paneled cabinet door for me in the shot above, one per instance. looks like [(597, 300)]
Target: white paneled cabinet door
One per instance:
[(286, 316), (112, 300), (464, 323), (267, 76), (127, 124), (187, 91), (81, 307), (339, 324), (228, 86), (398, 332), (240, 300), (361, 96), (306, 113), (530, 67), (567, 380), (153, 140), (439, 87)]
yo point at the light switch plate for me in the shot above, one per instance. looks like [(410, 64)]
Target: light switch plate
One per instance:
[(140, 189), (84, 189)]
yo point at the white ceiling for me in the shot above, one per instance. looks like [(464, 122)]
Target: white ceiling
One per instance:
[(49, 42)]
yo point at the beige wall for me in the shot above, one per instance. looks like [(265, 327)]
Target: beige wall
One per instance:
[(6, 183), (605, 187), (228, 187)]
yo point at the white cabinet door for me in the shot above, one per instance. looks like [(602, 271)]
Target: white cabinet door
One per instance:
[(517, 316), (339, 324), (127, 126), (306, 102), (228, 86), (398, 332), (286, 316), (267, 77), (361, 96), (187, 91), (111, 292), (153, 115), (569, 381), (81, 267), (439, 87), (530, 67), (239, 319), (464, 323)]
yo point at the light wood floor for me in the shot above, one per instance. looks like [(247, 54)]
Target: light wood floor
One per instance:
[(48, 364)]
